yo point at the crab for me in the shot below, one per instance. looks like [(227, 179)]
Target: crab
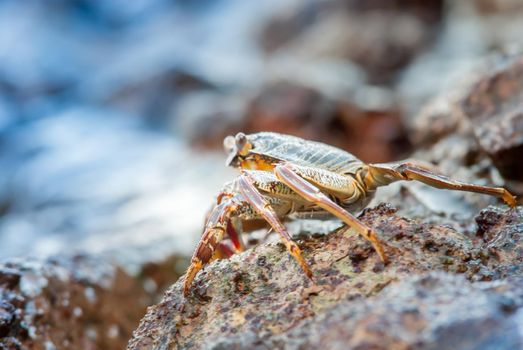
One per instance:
[(283, 175)]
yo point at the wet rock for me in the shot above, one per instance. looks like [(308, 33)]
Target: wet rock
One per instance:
[(493, 106), (75, 303), (354, 299)]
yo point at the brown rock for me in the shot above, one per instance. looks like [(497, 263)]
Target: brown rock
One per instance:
[(501, 232), (497, 7), (368, 125), (67, 303), (494, 107), (380, 36), (243, 303), (408, 315), (375, 135)]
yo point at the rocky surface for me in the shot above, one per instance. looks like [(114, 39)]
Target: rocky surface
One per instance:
[(494, 107), (261, 299), (67, 303), (456, 259), (483, 119), (429, 311), (98, 155)]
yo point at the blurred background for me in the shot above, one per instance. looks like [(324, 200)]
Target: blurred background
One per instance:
[(112, 113)]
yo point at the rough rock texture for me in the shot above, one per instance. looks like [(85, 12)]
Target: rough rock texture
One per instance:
[(261, 298), (478, 126), (410, 314), (67, 303), (494, 107), (488, 110)]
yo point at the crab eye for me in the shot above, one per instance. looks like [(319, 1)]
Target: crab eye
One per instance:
[(242, 144), (241, 139), (229, 143)]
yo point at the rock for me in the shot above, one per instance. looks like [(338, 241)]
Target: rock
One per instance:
[(430, 311), (506, 7), (470, 31), (380, 36), (500, 22), (75, 303), (261, 299), (364, 121), (372, 133), (493, 106), (475, 133), (458, 157), (437, 119), (501, 232), (502, 139), (157, 276)]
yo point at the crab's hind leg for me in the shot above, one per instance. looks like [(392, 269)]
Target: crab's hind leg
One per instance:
[(289, 175), (382, 174), (264, 208)]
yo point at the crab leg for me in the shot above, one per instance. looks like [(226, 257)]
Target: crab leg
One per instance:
[(235, 238), (287, 174), (263, 207), (383, 174), (224, 219), (213, 234), (210, 245), (231, 224)]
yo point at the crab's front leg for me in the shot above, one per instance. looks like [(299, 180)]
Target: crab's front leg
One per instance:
[(299, 179), (242, 201), (264, 208)]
